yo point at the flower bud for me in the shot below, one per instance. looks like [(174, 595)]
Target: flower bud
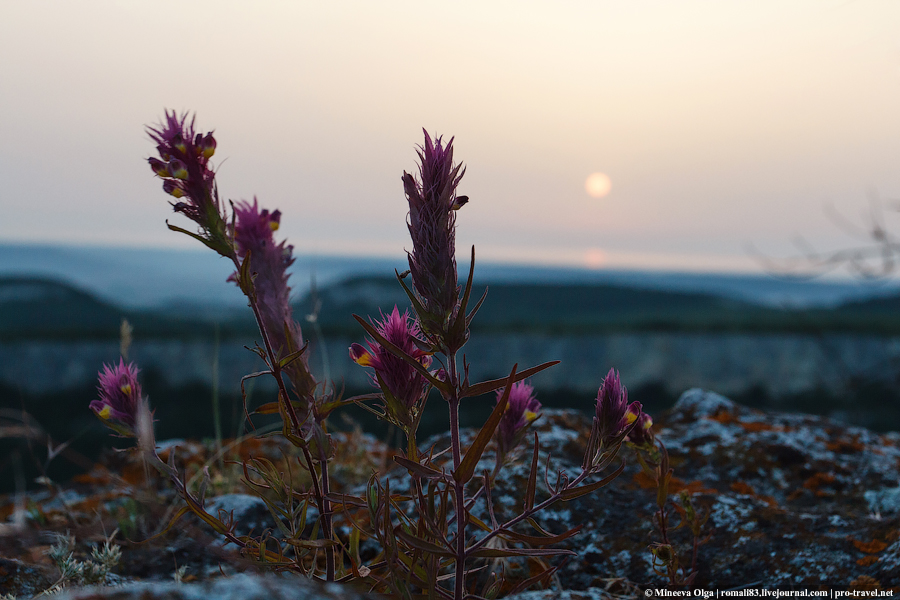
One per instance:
[(178, 143), (395, 377), (159, 167), (614, 414), (360, 355), (640, 435), (178, 169), (207, 145), (522, 410), (275, 220), (173, 188), (120, 397)]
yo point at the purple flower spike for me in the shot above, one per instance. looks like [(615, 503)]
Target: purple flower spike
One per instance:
[(400, 383), (522, 410), (188, 175), (120, 397), (615, 418), (432, 225), (269, 262)]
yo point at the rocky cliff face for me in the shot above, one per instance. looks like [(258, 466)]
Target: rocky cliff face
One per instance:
[(729, 363), (794, 502)]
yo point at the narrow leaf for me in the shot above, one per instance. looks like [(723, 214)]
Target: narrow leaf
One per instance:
[(345, 499), (504, 552), (203, 240), (310, 544), (540, 540), (581, 490), (181, 512), (531, 488), (419, 469), (489, 386), (524, 585), (420, 544), (478, 522), (293, 355), (417, 306), (468, 289), (467, 467), (271, 408), (474, 311)]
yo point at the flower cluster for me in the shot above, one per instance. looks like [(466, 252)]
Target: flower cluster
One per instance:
[(614, 419), (254, 241), (183, 164), (432, 225), (120, 398), (641, 434), (401, 384), (521, 411)]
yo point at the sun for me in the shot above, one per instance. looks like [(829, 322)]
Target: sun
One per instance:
[(598, 185), (594, 258)]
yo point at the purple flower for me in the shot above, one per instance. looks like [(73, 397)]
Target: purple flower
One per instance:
[(641, 435), (254, 241), (614, 417), (521, 411), (120, 397), (400, 383), (432, 225), (183, 163)]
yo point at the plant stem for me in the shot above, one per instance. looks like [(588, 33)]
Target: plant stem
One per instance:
[(327, 527), (320, 492), (458, 487)]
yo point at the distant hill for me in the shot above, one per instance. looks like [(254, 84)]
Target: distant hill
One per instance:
[(48, 308), (192, 281), (36, 307), (583, 308)]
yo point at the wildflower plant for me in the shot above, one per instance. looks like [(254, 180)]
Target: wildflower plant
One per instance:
[(432, 540)]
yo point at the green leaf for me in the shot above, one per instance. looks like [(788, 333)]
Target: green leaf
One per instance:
[(489, 386), (203, 240), (245, 278), (467, 467), (293, 355)]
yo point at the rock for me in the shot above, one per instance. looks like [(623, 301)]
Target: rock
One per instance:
[(23, 580), (793, 500), (238, 587), (250, 512)]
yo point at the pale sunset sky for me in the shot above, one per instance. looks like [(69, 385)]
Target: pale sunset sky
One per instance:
[(717, 124)]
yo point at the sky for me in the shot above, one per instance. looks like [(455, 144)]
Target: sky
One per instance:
[(721, 126)]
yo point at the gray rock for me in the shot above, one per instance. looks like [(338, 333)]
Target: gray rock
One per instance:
[(238, 587)]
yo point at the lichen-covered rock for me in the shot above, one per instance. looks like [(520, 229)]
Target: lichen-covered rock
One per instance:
[(23, 580), (794, 500), (239, 587)]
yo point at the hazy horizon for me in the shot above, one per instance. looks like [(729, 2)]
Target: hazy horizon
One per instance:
[(718, 126)]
